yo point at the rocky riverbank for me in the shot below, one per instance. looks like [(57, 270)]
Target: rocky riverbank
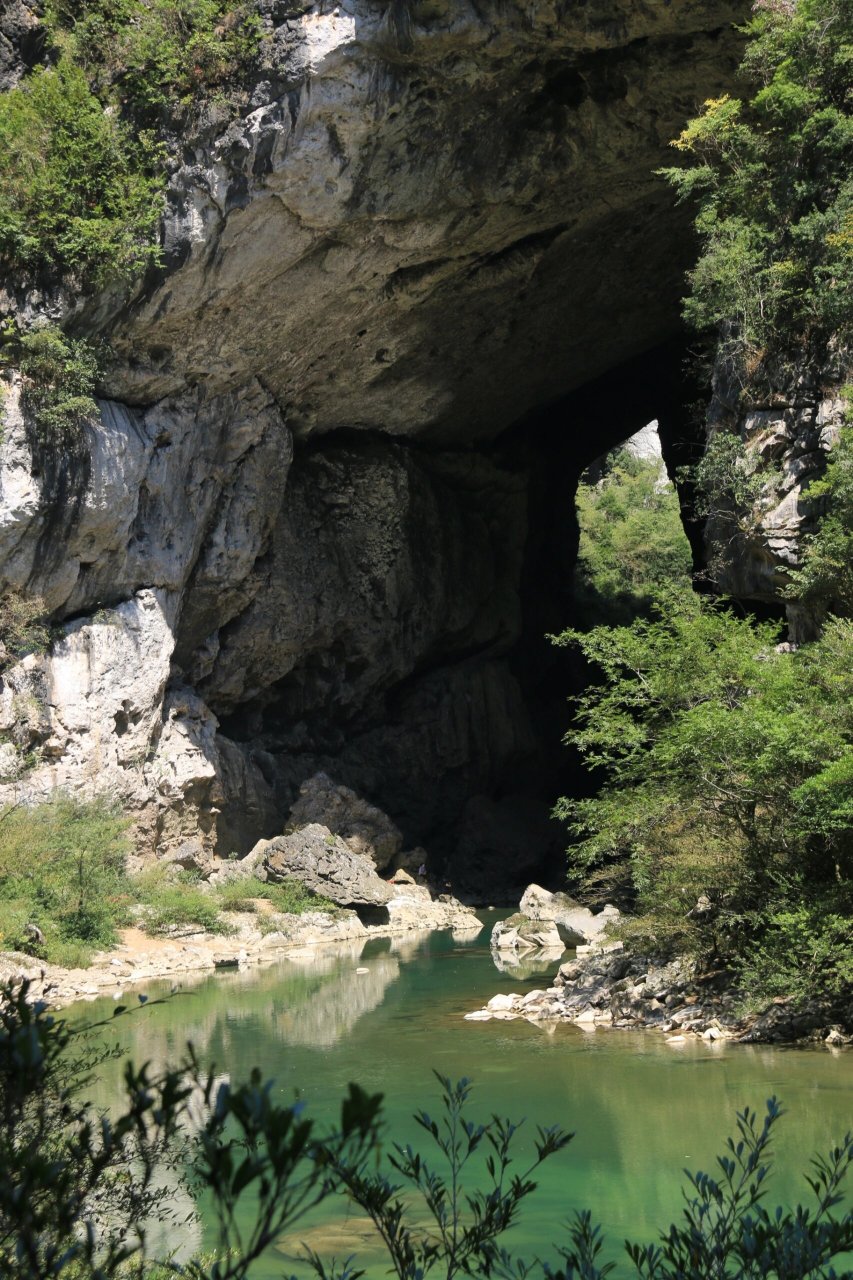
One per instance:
[(606, 986), (139, 958)]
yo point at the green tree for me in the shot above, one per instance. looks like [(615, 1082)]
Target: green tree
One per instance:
[(725, 771), (60, 375), (632, 542), (80, 190), (770, 173), (83, 138)]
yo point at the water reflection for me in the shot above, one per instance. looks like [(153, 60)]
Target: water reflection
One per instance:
[(529, 964), (642, 1109)]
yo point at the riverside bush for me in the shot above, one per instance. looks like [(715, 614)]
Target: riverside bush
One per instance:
[(290, 897), (173, 900), (726, 772), (72, 1176)]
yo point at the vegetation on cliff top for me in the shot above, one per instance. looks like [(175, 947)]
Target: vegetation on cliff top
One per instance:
[(82, 160), (771, 174)]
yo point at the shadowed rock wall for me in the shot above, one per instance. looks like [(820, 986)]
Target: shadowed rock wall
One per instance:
[(302, 534)]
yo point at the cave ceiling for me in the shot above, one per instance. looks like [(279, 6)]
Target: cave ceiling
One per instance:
[(434, 217)]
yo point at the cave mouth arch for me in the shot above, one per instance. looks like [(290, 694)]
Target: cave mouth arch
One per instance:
[(425, 680)]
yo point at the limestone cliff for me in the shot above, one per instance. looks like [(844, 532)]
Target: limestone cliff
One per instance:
[(788, 427), (301, 534)]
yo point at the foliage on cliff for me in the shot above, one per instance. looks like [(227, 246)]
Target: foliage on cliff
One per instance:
[(771, 174), (82, 160), (726, 773), (632, 542), (825, 579), (60, 374)]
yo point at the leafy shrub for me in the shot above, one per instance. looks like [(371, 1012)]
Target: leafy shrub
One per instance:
[(173, 901), (80, 190), (825, 578), (62, 866), (805, 951), (79, 1186), (156, 52), (83, 166), (771, 176), (289, 897), (22, 628), (632, 542), (60, 375), (725, 770)]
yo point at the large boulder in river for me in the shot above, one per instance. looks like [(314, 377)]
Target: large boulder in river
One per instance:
[(365, 829), (577, 925), (518, 933), (325, 865)]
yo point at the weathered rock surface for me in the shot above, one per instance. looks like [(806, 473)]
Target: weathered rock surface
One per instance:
[(19, 40), (443, 215), (363, 828), (576, 925), (429, 221), (519, 933), (326, 866), (787, 435)]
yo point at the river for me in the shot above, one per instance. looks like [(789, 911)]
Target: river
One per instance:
[(642, 1110)]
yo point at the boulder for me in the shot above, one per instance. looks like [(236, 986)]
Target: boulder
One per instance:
[(577, 925), (192, 855), (519, 933), (253, 864), (364, 829), (326, 866)]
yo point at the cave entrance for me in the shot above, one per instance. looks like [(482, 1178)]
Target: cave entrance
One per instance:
[(401, 647)]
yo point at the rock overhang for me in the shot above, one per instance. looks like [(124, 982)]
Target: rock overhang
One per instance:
[(434, 217)]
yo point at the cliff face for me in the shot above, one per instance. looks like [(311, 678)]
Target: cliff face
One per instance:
[(299, 536), (787, 432)]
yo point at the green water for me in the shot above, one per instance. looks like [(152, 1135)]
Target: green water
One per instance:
[(642, 1109)]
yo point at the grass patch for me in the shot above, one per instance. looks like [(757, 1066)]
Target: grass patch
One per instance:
[(290, 897), (175, 900), (62, 874), (65, 892)]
